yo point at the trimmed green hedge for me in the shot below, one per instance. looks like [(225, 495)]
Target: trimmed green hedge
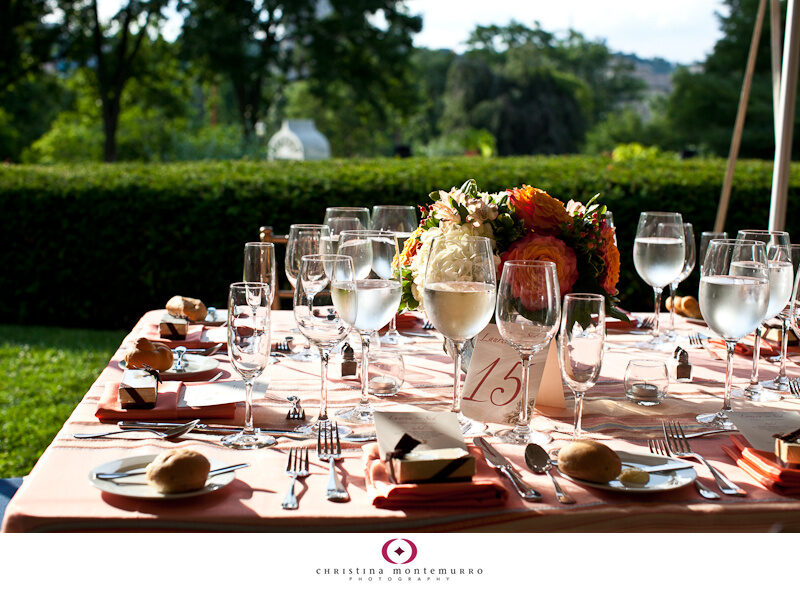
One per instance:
[(97, 245)]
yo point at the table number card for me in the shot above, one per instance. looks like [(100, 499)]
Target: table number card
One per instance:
[(492, 389)]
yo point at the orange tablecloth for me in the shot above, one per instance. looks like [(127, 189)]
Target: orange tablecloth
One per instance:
[(57, 496)]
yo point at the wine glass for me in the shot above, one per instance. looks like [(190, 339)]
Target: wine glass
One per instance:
[(689, 260), (705, 238), (580, 346), (658, 255), (459, 299), (527, 314), (368, 303), (734, 295), (781, 280), (319, 321), (259, 265), (402, 220), (360, 213), (304, 239), (248, 351), (339, 224)]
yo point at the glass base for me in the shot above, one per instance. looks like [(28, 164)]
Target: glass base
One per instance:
[(395, 338), (661, 343), (470, 427), (718, 420), (311, 429), (304, 355), (778, 384), (756, 393), (243, 441), (361, 413), (512, 436)]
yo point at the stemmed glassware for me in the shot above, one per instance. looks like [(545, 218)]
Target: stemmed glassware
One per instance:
[(580, 346), (259, 265), (734, 295), (781, 280), (527, 314), (658, 255), (319, 321), (402, 220), (459, 299), (304, 239), (689, 260), (368, 303), (360, 213), (705, 238), (248, 351), (339, 224)]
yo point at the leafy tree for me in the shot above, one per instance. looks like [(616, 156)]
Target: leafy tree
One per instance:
[(260, 46)]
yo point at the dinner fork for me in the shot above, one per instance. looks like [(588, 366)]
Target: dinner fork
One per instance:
[(647, 322), (679, 446), (794, 386), (329, 448), (296, 412), (660, 447), (696, 340), (284, 346), (427, 325), (296, 467)]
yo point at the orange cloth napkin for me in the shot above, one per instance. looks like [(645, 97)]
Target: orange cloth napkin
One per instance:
[(194, 337), (166, 406), (619, 326), (742, 349), (484, 490), (764, 467)]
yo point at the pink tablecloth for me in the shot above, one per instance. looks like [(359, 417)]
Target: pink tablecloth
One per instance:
[(57, 495)]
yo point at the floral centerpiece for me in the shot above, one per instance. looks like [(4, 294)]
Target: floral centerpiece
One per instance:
[(523, 224)]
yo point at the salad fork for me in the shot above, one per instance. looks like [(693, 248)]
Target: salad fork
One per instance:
[(794, 386), (296, 412), (678, 444), (296, 467), (695, 340), (329, 448), (660, 447)]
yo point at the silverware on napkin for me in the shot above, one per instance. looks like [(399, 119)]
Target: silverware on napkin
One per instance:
[(500, 463)]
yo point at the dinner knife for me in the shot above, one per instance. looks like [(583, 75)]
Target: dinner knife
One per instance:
[(220, 430), (110, 476), (499, 462)]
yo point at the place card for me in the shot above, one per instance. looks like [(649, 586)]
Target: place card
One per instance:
[(218, 393), (492, 389), (758, 427)]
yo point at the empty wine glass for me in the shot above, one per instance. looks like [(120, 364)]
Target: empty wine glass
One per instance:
[(734, 295), (339, 224), (304, 239), (689, 260), (368, 303), (401, 220), (360, 213), (319, 321), (781, 280), (527, 314), (705, 238), (259, 265), (658, 255), (580, 346), (248, 351), (459, 299)]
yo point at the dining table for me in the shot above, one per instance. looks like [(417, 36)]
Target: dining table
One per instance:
[(58, 496)]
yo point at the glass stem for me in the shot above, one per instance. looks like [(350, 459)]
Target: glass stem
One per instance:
[(458, 347), (756, 355), (657, 292), (784, 349), (726, 403), (523, 425), (248, 407), (323, 392), (365, 341), (672, 288), (576, 428), (393, 325)]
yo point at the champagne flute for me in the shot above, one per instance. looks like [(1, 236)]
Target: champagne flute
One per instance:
[(580, 347), (304, 239), (320, 322), (402, 220), (248, 350), (705, 238), (658, 254), (733, 302), (367, 304), (781, 280), (360, 213), (259, 265), (689, 260), (459, 299), (527, 315)]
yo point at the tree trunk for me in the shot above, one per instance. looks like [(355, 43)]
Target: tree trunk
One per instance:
[(111, 109)]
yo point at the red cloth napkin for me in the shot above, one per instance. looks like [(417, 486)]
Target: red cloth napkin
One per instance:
[(166, 406), (484, 490), (619, 326), (742, 349), (764, 467)]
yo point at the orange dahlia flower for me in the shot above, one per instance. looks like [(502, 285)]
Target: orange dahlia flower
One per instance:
[(538, 210), (610, 255), (547, 248), (410, 248)]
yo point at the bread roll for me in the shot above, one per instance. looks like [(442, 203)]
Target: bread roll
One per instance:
[(589, 460), (145, 353), (178, 471), (191, 309), (691, 308)]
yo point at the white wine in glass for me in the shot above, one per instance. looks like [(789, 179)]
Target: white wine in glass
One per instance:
[(458, 296)]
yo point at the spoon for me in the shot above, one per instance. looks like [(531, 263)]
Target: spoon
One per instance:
[(539, 462), (168, 434)]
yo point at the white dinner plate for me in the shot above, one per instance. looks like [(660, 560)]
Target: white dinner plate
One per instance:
[(195, 364), (659, 481), (136, 485)]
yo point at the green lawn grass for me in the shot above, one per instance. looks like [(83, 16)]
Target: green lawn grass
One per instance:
[(45, 372)]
